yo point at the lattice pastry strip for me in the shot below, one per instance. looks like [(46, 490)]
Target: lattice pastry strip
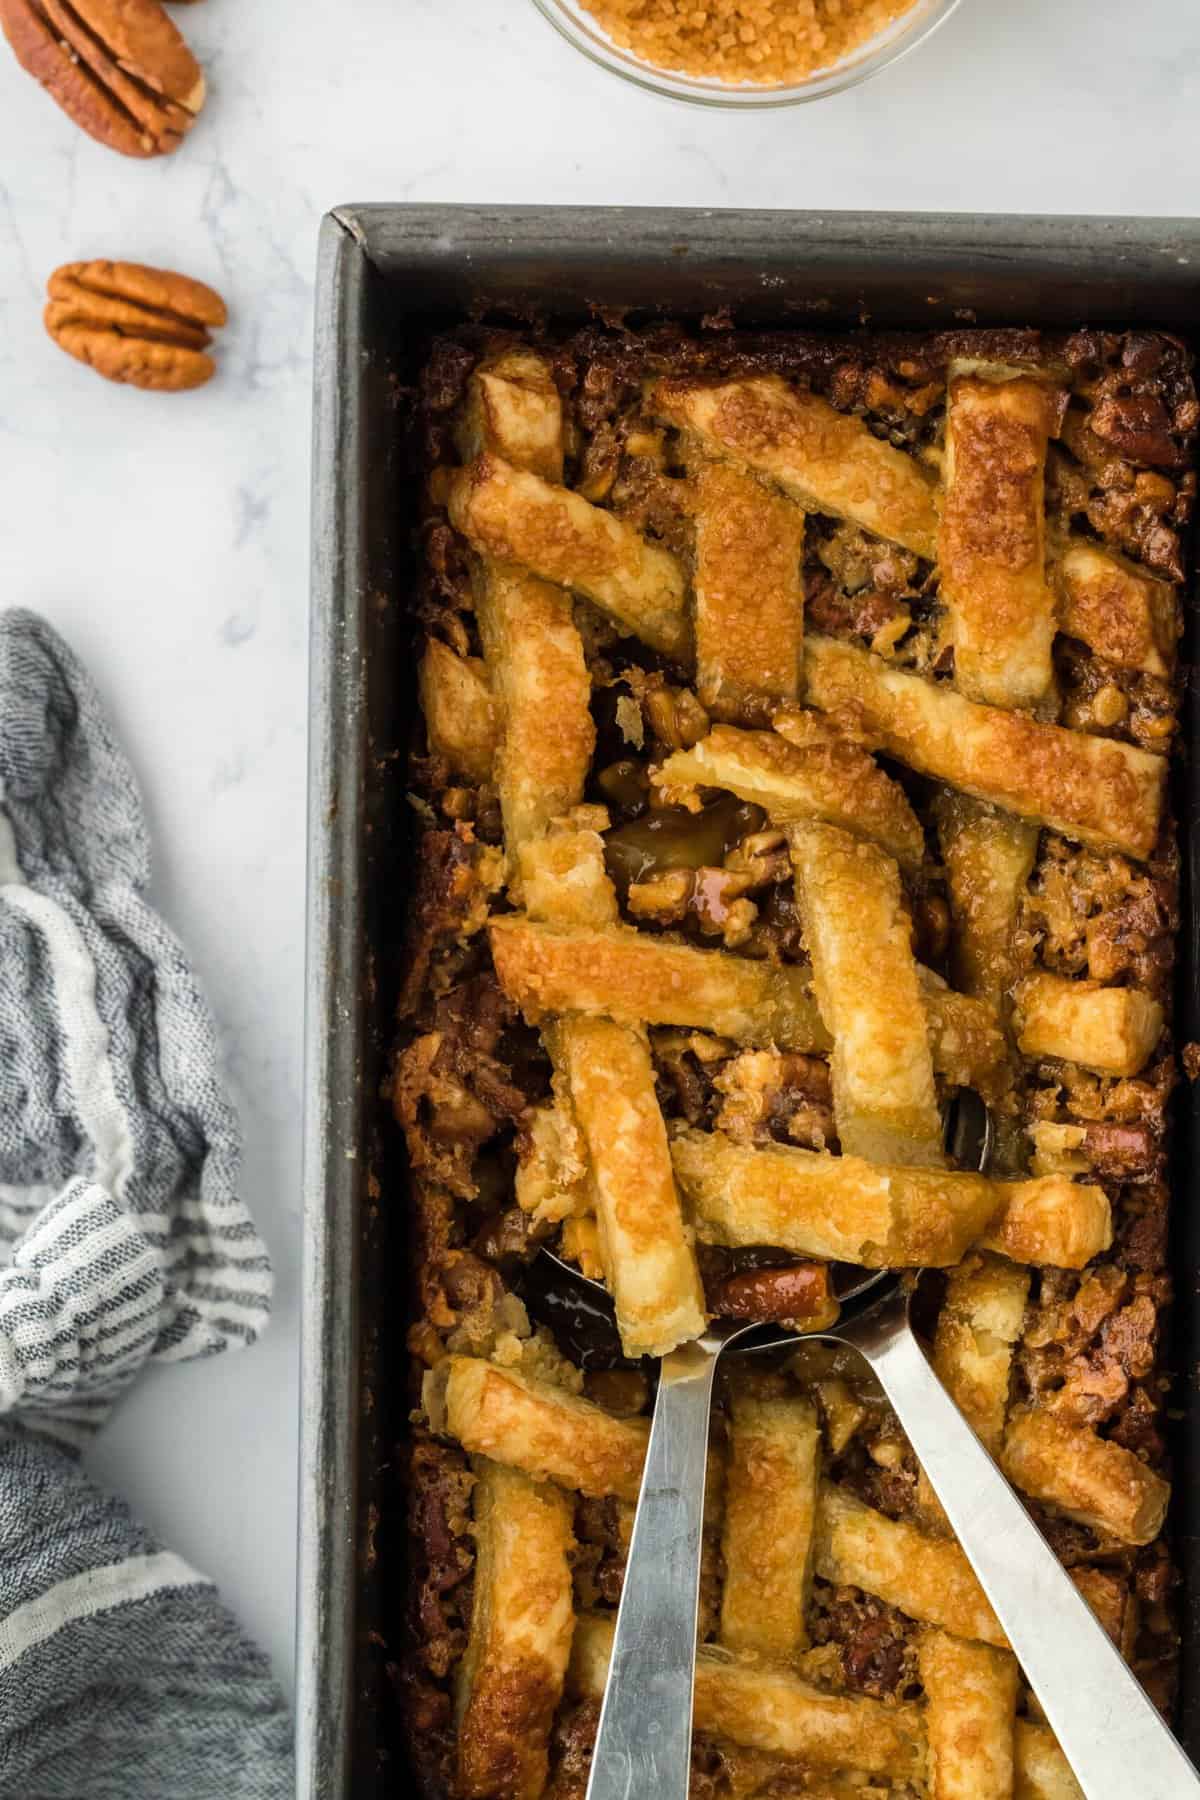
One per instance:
[(619, 972), (1002, 620), (545, 1430), (624, 973), (926, 1577), (648, 1258), (1113, 1030), (511, 515), (564, 878), (992, 536), (1123, 615), (513, 410), (1042, 1771), (1001, 623), (855, 925), (541, 687), (604, 1078), (991, 548), (1097, 790), (749, 595), (606, 1099), (565, 881), (510, 1680), (998, 423), (767, 1706), (769, 1709), (770, 1523), (460, 715), (541, 692), (760, 455), (1089, 1478), (547, 1434), (848, 1210), (553, 1435), (815, 773), (977, 1329), (606, 1102), (988, 857), (970, 1716), (824, 460)]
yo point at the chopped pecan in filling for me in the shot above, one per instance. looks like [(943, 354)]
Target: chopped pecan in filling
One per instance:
[(937, 824)]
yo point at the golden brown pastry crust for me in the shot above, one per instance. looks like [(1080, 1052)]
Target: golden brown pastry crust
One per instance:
[(749, 595), (850, 1210), (770, 1520), (628, 975), (1126, 617), (1051, 1220), (1093, 789), (989, 857), (824, 460), (544, 1430), (992, 538), (849, 897), (1084, 1476), (512, 516), (649, 1263), (634, 1069), (972, 1695), (1113, 1030), (928, 1578), (973, 1346), (564, 880), (542, 694), (459, 710), (827, 778), (514, 410), (510, 1681), (1042, 1771), (765, 1706)]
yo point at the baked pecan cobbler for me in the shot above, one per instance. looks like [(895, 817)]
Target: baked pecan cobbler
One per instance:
[(797, 715)]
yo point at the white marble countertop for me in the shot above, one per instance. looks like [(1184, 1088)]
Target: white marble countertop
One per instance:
[(168, 537)]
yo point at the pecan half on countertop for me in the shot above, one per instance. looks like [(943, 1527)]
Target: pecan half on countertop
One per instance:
[(144, 326), (119, 68)]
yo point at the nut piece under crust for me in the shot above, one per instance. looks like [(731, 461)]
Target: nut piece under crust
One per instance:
[(119, 68), (144, 326)]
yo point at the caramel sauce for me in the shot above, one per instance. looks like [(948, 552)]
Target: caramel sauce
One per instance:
[(674, 838)]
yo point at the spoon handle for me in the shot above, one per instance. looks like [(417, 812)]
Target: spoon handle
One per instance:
[(1110, 1731), (644, 1739)]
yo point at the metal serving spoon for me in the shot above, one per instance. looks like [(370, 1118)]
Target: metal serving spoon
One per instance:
[(1110, 1731)]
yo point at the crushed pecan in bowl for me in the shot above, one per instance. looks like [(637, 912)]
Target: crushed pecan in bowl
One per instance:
[(119, 68), (147, 327)]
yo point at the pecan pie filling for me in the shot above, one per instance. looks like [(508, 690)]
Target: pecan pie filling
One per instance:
[(796, 722)]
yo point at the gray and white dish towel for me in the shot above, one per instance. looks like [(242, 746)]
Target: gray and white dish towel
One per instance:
[(122, 1239)]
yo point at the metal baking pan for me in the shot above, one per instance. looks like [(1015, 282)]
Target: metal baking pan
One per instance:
[(389, 276)]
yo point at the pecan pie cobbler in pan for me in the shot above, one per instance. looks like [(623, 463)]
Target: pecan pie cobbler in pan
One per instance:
[(797, 719)]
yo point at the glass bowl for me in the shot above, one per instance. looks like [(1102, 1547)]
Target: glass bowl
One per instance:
[(887, 46)]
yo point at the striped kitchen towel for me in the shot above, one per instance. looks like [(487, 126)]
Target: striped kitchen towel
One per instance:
[(122, 1238)]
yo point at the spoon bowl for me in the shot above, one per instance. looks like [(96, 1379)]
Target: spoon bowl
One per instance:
[(579, 1312)]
